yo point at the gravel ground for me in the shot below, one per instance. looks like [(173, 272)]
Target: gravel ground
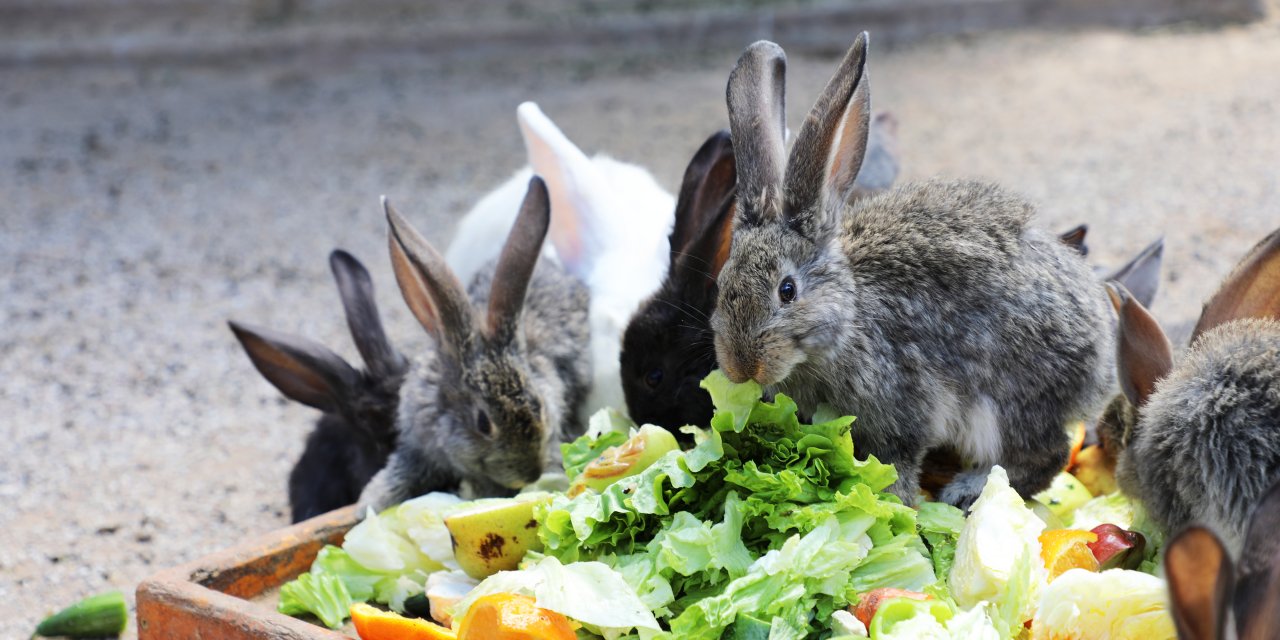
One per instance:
[(143, 207)]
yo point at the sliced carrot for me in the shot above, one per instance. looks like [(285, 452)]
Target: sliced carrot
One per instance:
[(373, 623), (506, 616), (1063, 549)]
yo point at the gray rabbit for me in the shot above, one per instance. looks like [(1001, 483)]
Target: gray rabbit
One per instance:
[(355, 435), (484, 411), (1200, 441), (1206, 587), (933, 312)]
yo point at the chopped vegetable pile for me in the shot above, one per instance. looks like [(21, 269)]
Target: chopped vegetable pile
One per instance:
[(764, 528)]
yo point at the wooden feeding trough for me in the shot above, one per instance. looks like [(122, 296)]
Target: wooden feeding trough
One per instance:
[(232, 594)]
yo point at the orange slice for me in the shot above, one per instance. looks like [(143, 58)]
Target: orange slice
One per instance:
[(1063, 549), (506, 616), (373, 623)]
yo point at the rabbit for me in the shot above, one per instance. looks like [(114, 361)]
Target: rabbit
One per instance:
[(353, 438), (1206, 587), (933, 312), (609, 227), (1200, 441), (484, 411), (667, 348)]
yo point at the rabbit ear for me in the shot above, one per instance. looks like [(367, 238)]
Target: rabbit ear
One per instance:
[(1074, 238), (1251, 291), (356, 289), (1199, 573), (301, 369), (1257, 597), (881, 164), (708, 180), (569, 175), (756, 96), (1143, 354), (516, 262), (702, 260), (429, 287), (1141, 276), (829, 149)]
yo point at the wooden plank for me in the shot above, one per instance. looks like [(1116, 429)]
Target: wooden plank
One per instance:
[(210, 597)]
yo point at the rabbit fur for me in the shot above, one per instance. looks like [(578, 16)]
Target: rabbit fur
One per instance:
[(484, 411), (609, 226), (1199, 442), (667, 348), (933, 312), (353, 438)]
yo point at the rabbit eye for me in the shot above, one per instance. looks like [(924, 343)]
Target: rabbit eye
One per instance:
[(654, 378), (787, 290), (483, 426)]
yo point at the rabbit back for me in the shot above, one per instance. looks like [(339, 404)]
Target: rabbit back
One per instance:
[(994, 325), (1207, 443)]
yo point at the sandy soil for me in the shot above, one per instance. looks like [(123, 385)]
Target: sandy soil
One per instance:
[(141, 208)]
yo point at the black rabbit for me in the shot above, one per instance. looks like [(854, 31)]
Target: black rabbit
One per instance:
[(355, 435)]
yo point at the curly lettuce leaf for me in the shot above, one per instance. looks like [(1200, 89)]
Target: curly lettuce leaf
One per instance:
[(321, 595)]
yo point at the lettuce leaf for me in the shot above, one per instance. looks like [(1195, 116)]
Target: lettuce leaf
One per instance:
[(319, 594)]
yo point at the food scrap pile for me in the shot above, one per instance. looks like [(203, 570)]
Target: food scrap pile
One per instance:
[(764, 528)]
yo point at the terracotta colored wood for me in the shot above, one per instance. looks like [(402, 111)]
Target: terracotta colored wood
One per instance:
[(210, 598)]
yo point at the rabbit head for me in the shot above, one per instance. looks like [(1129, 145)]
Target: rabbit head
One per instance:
[(1206, 588), (479, 407), (310, 373), (667, 348), (1197, 441), (787, 215)]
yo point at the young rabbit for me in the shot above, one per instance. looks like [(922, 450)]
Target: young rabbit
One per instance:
[(485, 410), (1206, 587), (355, 435), (934, 312), (609, 227), (1200, 441), (667, 348)]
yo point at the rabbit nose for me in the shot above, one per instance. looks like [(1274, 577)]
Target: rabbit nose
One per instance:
[(734, 371)]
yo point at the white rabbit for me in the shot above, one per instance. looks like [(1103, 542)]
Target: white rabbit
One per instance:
[(610, 222)]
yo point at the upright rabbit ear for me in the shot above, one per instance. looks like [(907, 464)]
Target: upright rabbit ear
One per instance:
[(703, 259), (1251, 291), (1199, 573), (1074, 238), (516, 262), (570, 177), (830, 147), (756, 96), (1141, 276), (356, 289), (429, 287), (708, 181), (1143, 354), (882, 162), (1257, 598), (301, 369)]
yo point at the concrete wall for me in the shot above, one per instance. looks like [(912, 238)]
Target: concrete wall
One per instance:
[(41, 31)]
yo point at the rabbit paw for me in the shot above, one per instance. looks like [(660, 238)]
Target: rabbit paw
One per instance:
[(964, 489)]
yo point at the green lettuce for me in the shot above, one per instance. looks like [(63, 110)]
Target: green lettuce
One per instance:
[(764, 518), (322, 595)]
